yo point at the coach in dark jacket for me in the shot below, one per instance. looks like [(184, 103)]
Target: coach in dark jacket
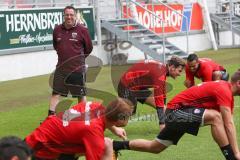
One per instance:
[(73, 44)]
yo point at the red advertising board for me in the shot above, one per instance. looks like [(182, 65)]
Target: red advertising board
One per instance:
[(168, 20)]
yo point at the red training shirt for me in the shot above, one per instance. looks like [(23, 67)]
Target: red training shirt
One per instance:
[(204, 72), (82, 135), (209, 95), (147, 74)]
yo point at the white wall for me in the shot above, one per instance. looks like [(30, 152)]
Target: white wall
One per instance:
[(226, 38), (26, 65), (23, 65), (100, 53), (197, 42)]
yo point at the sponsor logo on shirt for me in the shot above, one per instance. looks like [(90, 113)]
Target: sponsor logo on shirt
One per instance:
[(74, 35)]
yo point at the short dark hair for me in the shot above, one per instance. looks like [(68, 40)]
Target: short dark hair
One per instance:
[(192, 57), (176, 61), (119, 109), (236, 76), (11, 146), (69, 7)]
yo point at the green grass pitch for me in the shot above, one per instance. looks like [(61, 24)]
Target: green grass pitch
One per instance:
[(24, 103)]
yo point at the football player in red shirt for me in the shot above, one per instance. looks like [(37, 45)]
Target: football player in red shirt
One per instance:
[(80, 130), (209, 103), (139, 78), (204, 69)]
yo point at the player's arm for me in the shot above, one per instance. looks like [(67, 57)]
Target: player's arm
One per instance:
[(161, 116), (94, 145), (160, 107), (189, 82), (230, 128), (118, 131), (160, 100)]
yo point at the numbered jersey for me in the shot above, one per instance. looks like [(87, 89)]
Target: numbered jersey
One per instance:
[(209, 95), (79, 131)]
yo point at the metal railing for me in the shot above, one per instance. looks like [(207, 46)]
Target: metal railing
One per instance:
[(128, 3), (162, 21), (183, 18), (229, 8), (226, 6)]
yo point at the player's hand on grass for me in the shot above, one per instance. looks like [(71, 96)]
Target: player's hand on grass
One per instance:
[(187, 83), (118, 131)]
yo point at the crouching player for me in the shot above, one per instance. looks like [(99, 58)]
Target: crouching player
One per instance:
[(137, 82), (204, 69), (209, 103), (80, 130)]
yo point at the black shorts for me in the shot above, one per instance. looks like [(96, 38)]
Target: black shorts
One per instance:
[(180, 121), (65, 83), (68, 157), (134, 96), (61, 157)]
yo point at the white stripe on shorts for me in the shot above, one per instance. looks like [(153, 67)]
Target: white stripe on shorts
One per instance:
[(202, 123), (165, 142)]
